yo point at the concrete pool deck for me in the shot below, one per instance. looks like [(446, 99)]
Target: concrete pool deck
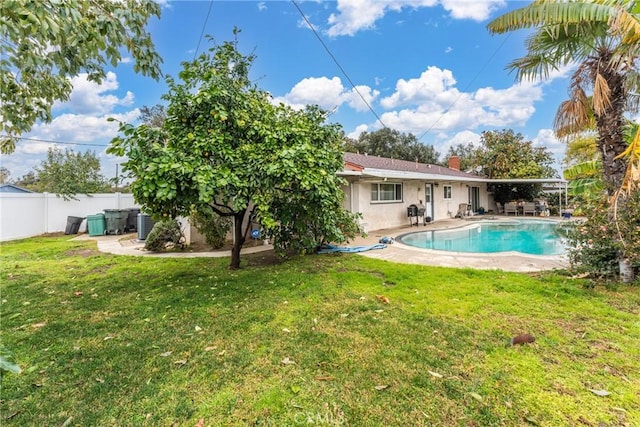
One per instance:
[(396, 252)]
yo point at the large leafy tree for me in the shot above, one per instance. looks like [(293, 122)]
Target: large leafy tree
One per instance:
[(224, 146), (45, 42), (464, 152), (506, 154), (394, 144), (67, 173)]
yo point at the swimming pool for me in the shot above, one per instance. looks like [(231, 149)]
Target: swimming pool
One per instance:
[(535, 237)]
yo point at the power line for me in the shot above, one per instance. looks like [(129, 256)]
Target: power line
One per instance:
[(464, 89), (337, 63), (55, 142), (204, 26)]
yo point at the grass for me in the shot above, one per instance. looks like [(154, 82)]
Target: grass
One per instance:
[(109, 340)]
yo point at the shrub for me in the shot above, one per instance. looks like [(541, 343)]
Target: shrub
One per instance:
[(595, 243), (214, 227), (165, 234)]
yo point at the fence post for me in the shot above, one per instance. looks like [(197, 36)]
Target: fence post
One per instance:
[(46, 211)]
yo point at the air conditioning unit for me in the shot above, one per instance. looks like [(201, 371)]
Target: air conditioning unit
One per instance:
[(145, 224)]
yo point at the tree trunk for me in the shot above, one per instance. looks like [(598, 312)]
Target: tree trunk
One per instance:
[(238, 240), (611, 144)]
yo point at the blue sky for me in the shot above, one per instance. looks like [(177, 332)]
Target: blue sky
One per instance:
[(429, 67)]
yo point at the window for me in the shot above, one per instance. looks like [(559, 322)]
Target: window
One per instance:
[(447, 191), (386, 192)]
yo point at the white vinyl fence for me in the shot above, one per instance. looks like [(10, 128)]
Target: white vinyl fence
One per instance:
[(32, 214)]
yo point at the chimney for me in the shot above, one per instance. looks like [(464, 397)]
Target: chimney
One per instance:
[(454, 163)]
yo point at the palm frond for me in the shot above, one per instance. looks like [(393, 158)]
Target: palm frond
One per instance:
[(543, 13), (601, 95)]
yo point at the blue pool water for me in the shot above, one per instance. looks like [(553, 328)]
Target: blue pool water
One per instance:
[(535, 237)]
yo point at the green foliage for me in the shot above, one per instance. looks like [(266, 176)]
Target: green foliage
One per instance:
[(165, 234), (466, 154), (67, 173), (45, 42), (581, 149), (225, 147), (597, 242), (393, 144), (4, 175), (7, 362), (153, 116), (214, 227)]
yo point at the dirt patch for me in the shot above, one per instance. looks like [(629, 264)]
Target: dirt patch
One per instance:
[(82, 253), (204, 247)]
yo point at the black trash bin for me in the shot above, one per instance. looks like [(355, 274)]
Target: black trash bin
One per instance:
[(132, 219), (73, 224)]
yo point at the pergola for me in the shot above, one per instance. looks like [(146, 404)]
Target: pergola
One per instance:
[(558, 184)]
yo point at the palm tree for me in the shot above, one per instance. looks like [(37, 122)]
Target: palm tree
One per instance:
[(602, 38)]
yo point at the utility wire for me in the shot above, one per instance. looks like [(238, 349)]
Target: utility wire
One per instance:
[(337, 63), (56, 142), (466, 86), (204, 26)]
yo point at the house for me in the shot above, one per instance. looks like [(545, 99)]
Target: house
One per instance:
[(10, 188), (382, 189)]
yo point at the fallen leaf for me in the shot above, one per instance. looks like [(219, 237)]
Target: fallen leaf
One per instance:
[(198, 328), (343, 315), (295, 389), (166, 353), (476, 396), (180, 362), (383, 299), (599, 392), (287, 361), (222, 353), (321, 378), (200, 423), (38, 325), (78, 293), (362, 298), (435, 374), (381, 387), (100, 380), (286, 330), (108, 337), (210, 348), (379, 311)]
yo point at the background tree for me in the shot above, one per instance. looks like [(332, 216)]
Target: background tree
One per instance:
[(225, 147), (45, 42), (67, 173), (153, 116), (505, 154), (466, 154), (5, 174), (28, 181), (393, 144)]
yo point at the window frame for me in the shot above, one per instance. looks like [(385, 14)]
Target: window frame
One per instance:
[(446, 196), (395, 192)]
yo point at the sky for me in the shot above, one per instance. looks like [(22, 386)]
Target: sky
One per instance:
[(426, 67)]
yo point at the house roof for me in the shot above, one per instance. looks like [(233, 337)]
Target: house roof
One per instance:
[(11, 188), (383, 167)]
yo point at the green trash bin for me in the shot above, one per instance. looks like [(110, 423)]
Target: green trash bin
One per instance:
[(96, 225), (116, 220)]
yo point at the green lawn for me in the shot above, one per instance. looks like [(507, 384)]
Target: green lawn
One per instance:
[(109, 340)]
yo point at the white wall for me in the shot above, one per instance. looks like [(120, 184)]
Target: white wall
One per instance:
[(32, 214)]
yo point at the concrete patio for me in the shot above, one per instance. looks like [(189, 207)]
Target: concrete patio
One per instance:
[(395, 252)]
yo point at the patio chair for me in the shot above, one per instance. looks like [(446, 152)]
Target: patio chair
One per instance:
[(529, 208), (511, 208), (463, 210), (499, 208)]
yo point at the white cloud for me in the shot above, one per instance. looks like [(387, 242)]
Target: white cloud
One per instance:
[(357, 131), (262, 6), (477, 10), (357, 15), (328, 94), (126, 60), (547, 138), (89, 97), (431, 82), (448, 49)]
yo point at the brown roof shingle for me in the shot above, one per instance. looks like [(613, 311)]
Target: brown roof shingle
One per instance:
[(367, 161)]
